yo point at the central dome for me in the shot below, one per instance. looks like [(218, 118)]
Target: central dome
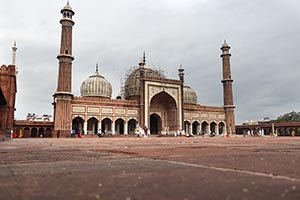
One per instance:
[(96, 86), (132, 83)]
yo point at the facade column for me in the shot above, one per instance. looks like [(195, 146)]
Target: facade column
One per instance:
[(113, 128), (100, 126), (198, 129), (217, 129), (191, 129), (125, 128), (224, 130), (208, 129), (85, 127)]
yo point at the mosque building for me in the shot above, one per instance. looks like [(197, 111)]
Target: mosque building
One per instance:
[(149, 99)]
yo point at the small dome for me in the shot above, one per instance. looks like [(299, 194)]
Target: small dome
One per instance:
[(132, 84), (189, 95), (68, 7), (96, 86)]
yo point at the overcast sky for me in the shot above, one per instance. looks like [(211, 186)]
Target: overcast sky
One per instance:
[(264, 36)]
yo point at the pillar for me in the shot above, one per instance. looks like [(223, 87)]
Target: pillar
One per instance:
[(125, 128), (85, 127)]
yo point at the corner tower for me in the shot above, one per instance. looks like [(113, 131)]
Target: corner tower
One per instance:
[(63, 94), (227, 89), (8, 90)]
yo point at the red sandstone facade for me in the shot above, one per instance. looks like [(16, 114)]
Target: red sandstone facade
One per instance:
[(165, 106), (8, 89), (159, 103)]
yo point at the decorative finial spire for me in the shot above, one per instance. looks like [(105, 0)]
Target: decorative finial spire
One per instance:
[(14, 54), (143, 60), (181, 73), (144, 57), (180, 67), (68, 3), (225, 44), (97, 68)]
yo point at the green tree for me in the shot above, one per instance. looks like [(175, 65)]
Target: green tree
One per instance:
[(289, 117)]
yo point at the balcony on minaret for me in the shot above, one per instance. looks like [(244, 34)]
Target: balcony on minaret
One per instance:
[(225, 49), (67, 15)]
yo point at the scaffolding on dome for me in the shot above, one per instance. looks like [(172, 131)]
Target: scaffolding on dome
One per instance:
[(130, 83)]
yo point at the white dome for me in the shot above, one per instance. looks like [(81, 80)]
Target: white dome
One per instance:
[(189, 95), (96, 86)]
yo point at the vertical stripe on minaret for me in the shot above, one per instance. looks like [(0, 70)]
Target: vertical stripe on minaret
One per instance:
[(63, 95), (227, 89)]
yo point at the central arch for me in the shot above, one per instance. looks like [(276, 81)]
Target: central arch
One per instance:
[(166, 117), (155, 124)]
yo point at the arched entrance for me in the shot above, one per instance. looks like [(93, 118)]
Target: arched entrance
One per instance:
[(77, 124), (204, 128), (26, 132), (196, 128), (187, 126), (119, 126), (221, 128), (92, 126), (155, 124), (41, 132), (48, 132), (213, 128), (106, 126), (166, 117), (34, 132), (131, 126)]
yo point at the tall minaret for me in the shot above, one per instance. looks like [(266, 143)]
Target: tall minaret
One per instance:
[(63, 94), (181, 78), (142, 114), (227, 89), (14, 55)]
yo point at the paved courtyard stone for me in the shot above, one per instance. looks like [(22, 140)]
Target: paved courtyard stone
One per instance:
[(150, 168)]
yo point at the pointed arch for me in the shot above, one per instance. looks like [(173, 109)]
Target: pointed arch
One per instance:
[(106, 125), (163, 109), (92, 125), (119, 126)]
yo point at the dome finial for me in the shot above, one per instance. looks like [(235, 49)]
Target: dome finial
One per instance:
[(225, 44), (181, 73), (144, 57), (68, 3), (97, 68), (14, 53), (143, 60)]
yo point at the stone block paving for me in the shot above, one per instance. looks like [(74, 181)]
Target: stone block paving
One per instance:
[(150, 168)]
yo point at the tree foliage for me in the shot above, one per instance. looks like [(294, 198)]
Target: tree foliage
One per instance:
[(289, 117)]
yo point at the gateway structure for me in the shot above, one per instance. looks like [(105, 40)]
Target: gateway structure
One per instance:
[(149, 99)]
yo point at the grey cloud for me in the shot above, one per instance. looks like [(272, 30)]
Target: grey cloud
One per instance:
[(264, 36)]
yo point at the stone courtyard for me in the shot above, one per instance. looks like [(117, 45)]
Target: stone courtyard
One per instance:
[(129, 168)]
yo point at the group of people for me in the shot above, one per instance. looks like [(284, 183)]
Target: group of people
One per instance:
[(259, 132), (76, 133), (142, 132)]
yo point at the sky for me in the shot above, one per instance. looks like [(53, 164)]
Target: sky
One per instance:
[(263, 35)]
